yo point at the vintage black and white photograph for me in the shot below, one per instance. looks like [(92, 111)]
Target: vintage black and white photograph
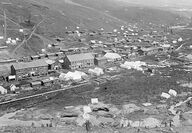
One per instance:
[(95, 66)]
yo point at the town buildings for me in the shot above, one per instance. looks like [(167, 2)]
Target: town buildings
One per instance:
[(75, 61)]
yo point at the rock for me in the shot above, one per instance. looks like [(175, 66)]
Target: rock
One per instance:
[(114, 110), (124, 123), (129, 108), (105, 120), (165, 95), (68, 114), (86, 116), (176, 120), (87, 109), (162, 106), (80, 121), (98, 105), (151, 123), (151, 111), (136, 124), (146, 104), (94, 121), (171, 109)]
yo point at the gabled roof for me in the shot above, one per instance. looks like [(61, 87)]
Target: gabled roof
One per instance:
[(80, 57), (33, 64)]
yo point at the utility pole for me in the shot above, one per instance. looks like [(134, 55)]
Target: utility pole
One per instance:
[(5, 26)]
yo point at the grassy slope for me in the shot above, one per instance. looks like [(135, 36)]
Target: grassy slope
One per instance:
[(131, 12), (61, 14)]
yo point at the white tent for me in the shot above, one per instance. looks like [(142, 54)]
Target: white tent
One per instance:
[(115, 30), (133, 65), (14, 42), (13, 87), (174, 42), (166, 45), (3, 90), (180, 39), (112, 56), (97, 71), (1, 37), (21, 30), (8, 42), (76, 76), (165, 95), (172, 92)]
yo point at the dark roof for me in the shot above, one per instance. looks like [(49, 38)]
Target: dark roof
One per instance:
[(33, 64), (80, 57)]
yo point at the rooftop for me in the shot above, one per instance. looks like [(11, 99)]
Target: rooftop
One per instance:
[(4, 69), (33, 64), (79, 57)]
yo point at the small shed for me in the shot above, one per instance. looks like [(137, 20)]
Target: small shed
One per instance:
[(35, 83), (46, 82), (13, 87)]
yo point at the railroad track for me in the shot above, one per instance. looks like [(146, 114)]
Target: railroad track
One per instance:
[(42, 94)]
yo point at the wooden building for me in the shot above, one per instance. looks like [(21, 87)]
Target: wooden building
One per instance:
[(76, 61), (27, 69)]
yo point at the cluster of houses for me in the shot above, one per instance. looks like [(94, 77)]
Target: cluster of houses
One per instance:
[(116, 46), (42, 66)]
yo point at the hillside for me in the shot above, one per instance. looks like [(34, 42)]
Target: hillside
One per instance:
[(55, 17), (161, 3)]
